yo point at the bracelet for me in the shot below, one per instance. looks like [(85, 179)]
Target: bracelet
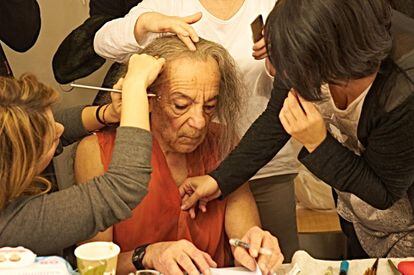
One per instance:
[(103, 116), (98, 118)]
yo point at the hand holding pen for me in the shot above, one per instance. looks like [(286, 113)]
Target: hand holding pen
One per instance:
[(255, 246)]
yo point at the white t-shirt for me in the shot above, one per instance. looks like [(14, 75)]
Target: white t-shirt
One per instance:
[(116, 41)]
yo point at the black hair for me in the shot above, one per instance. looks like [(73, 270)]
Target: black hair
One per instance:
[(314, 42)]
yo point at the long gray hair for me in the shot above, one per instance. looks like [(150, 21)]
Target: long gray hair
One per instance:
[(231, 86)]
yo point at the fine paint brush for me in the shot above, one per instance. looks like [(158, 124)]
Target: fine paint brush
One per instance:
[(372, 270), (101, 89)]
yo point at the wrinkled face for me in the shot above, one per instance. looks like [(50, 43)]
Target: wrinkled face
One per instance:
[(181, 116)]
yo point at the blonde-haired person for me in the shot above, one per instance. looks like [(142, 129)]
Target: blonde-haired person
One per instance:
[(29, 135)]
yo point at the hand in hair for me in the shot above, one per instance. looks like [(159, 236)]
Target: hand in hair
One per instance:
[(159, 23), (303, 121), (142, 71)]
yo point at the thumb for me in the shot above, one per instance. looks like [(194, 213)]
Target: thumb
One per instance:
[(193, 18), (192, 200), (182, 189)]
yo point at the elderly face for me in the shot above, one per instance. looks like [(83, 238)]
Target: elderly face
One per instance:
[(181, 116)]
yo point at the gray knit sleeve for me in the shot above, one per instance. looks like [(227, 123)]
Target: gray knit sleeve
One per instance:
[(48, 223), (71, 118)]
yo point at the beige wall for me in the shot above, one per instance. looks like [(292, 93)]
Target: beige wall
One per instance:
[(59, 18)]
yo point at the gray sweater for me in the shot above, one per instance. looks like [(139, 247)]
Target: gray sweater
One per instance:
[(48, 223)]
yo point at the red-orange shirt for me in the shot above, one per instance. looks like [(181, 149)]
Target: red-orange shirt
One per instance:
[(158, 217)]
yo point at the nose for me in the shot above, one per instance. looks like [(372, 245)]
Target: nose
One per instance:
[(197, 119), (59, 129)]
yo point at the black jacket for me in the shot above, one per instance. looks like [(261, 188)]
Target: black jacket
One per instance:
[(384, 172)]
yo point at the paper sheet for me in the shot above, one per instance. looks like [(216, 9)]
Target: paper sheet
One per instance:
[(235, 271)]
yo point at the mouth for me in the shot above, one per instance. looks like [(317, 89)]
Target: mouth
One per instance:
[(187, 139)]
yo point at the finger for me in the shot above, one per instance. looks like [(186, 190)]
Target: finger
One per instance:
[(188, 42), (307, 106), (202, 205), (244, 258), (118, 84), (171, 267), (192, 212), (255, 239), (209, 260), (184, 189), (287, 114), (259, 44), (192, 33), (277, 256), (200, 260), (191, 19), (294, 107), (186, 264), (264, 261), (191, 201), (260, 54), (284, 122), (178, 30)]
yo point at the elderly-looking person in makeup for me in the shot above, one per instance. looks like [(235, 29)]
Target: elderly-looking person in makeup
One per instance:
[(193, 123)]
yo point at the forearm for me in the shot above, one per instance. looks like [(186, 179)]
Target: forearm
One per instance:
[(241, 204), (259, 145), (342, 169), (116, 39), (49, 223), (79, 121), (125, 265)]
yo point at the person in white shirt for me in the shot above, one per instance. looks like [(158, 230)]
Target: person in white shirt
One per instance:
[(227, 23)]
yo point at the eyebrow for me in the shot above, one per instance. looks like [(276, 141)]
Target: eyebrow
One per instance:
[(179, 94)]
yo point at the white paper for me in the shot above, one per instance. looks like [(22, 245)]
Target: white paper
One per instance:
[(235, 271)]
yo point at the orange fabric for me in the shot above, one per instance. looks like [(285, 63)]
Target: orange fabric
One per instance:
[(159, 218)]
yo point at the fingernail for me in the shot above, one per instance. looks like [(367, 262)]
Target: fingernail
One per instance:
[(254, 253)]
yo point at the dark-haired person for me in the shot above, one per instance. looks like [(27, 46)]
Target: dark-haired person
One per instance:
[(345, 90)]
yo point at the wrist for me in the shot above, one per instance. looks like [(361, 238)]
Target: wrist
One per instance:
[(312, 147), (110, 115), (138, 257), (147, 259)]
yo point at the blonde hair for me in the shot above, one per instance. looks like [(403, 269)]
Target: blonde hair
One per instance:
[(231, 86), (24, 127)]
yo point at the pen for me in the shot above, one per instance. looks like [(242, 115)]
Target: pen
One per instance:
[(101, 88), (262, 250), (343, 270)]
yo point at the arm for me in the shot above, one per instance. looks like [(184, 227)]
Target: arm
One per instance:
[(116, 39), (49, 223), (383, 173), (22, 17), (241, 204), (87, 166), (80, 121), (265, 137)]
